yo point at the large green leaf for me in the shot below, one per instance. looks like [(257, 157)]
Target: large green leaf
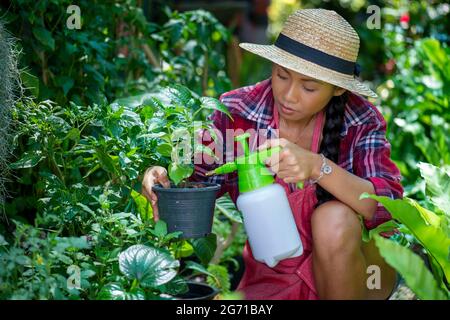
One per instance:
[(433, 239), (115, 291), (437, 185), (205, 247), (214, 104), (226, 206), (28, 160), (179, 95), (151, 267), (179, 172), (164, 149), (436, 54), (144, 208), (412, 268)]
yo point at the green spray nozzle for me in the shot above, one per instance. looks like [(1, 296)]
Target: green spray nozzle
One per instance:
[(252, 171)]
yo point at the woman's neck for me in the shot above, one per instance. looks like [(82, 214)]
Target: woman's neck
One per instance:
[(295, 125)]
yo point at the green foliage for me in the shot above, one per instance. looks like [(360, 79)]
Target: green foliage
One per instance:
[(219, 278), (33, 264), (412, 269), (117, 52), (80, 165), (149, 266), (178, 120), (429, 228)]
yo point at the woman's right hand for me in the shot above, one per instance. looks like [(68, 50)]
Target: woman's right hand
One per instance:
[(152, 176)]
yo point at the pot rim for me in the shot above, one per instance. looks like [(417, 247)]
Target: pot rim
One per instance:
[(193, 283), (210, 186)]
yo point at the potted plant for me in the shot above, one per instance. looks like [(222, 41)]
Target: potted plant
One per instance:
[(185, 206)]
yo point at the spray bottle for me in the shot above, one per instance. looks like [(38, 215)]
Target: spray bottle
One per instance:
[(268, 219)]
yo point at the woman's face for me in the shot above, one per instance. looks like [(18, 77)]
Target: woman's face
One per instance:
[(299, 97)]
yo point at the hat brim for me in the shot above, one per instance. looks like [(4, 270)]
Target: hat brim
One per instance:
[(310, 69)]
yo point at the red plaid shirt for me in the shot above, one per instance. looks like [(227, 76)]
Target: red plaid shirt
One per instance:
[(364, 150)]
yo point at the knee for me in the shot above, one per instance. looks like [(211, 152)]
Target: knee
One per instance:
[(336, 228)]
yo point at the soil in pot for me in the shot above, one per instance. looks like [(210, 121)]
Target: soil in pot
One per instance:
[(189, 209)]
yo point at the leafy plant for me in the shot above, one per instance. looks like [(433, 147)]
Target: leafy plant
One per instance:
[(117, 52), (179, 121), (428, 227)]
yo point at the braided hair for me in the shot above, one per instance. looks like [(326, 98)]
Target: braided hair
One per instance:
[(331, 140)]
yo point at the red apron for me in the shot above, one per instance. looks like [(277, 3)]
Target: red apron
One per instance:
[(290, 279)]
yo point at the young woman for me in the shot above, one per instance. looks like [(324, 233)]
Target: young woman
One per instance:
[(333, 140)]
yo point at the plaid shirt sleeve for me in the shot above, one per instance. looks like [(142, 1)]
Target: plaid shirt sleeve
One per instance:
[(371, 161)]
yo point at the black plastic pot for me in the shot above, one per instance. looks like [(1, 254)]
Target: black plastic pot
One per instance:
[(198, 291), (189, 210)]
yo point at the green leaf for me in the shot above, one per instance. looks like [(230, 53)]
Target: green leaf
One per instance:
[(179, 95), (433, 239), (106, 161), (221, 278), (435, 53), (437, 185), (115, 291), (73, 134), (160, 229), (164, 149), (3, 242), (65, 82), (191, 265), (412, 268), (151, 267), (205, 247), (176, 286), (226, 206), (45, 37), (112, 291), (177, 173), (28, 160), (144, 207), (182, 249), (214, 104)]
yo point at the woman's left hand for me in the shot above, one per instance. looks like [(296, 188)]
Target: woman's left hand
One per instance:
[(293, 164)]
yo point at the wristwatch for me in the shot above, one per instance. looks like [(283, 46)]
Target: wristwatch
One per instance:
[(324, 169)]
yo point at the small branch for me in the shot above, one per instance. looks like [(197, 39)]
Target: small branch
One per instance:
[(205, 74), (222, 246), (150, 55)]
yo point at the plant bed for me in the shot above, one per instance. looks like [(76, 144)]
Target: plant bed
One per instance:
[(188, 208)]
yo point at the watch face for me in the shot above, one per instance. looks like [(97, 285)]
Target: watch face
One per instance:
[(327, 169)]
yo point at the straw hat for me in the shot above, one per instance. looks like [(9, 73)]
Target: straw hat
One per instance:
[(320, 44)]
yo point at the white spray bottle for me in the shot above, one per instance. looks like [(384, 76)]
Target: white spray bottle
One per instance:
[(268, 219)]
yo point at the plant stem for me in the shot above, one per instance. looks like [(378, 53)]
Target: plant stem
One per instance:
[(222, 246), (205, 74)]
